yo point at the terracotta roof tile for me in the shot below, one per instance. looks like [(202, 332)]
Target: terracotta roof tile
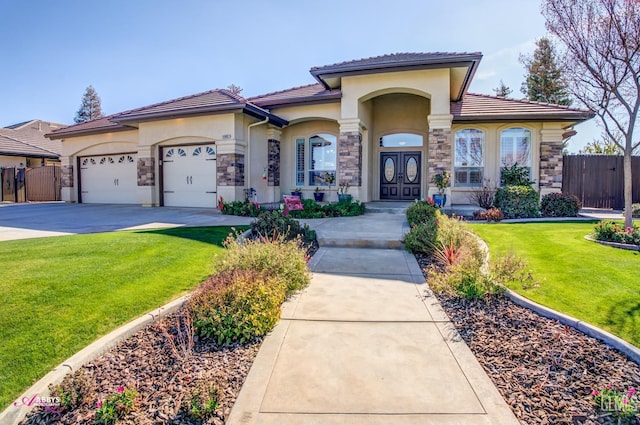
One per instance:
[(14, 143), (393, 59), (303, 94), (483, 107)]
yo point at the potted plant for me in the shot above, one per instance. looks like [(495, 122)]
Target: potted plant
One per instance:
[(296, 192), (343, 188), (318, 194), (441, 180), (329, 178)]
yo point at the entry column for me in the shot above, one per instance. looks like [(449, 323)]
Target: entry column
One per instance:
[(273, 168), (440, 150), (230, 169), (67, 179), (350, 155), (146, 174), (551, 160)]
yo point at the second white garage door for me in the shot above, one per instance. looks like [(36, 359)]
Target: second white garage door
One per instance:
[(108, 179), (189, 176)]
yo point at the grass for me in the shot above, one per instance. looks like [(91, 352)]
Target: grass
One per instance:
[(592, 282), (60, 294)]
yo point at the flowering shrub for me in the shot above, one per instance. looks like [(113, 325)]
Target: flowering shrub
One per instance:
[(622, 404), (559, 205), (611, 231), (116, 406)]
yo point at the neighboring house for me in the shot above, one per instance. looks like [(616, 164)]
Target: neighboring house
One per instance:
[(385, 125), (24, 145)]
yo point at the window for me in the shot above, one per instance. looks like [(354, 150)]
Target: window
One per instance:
[(319, 160), (469, 157), (401, 140), (515, 146)]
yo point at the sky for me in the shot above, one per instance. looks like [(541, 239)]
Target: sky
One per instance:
[(139, 52)]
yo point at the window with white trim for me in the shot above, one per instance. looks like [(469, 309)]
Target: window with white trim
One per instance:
[(515, 147), (317, 161), (469, 157)]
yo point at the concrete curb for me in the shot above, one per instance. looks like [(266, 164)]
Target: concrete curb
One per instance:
[(613, 244), (619, 344), (631, 351), (14, 414)]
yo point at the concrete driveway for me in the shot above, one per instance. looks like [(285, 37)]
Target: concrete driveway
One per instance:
[(23, 221)]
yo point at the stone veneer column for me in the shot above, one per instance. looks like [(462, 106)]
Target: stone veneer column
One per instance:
[(350, 152), (440, 150), (230, 161), (146, 171), (67, 179), (551, 160), (273, 152)]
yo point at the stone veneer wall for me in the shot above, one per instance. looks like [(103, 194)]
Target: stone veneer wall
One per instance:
[(66, 176), (439, 151), (350, 158), (551, 165), (230, 169), (273, 174), (146, 172)]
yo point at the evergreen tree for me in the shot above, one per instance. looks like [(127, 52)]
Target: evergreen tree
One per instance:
[(502, 90), (90, 108), (545, 78)]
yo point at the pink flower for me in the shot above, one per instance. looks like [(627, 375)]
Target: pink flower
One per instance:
[(595, 393), (99, 404), (120, 389)]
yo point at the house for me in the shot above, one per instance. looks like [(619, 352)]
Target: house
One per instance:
[(384, 125), (25, 145)]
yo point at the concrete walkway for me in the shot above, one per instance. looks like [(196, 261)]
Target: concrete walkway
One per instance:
[(362, 344)]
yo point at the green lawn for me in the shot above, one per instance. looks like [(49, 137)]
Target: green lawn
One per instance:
[(592, 282), (60, 294)]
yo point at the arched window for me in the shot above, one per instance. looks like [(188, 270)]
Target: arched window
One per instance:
[(469, 157), (318, 161), (515, 147)]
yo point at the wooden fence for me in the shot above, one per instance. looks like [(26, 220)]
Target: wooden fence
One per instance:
[(598, 180), (33, 184)]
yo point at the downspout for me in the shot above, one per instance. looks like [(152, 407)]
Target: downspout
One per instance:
[(248, 159)]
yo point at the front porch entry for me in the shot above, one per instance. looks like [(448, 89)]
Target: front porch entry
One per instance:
[(400, 175)]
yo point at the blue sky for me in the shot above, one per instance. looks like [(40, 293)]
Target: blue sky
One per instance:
[(138, 52)]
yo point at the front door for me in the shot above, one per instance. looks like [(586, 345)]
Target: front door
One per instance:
[(400, 176)]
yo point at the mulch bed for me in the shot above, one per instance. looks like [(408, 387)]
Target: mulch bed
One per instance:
[(545, 370), (164, 382)]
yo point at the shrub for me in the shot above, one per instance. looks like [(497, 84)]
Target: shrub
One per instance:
[(240, 208), (116, 406), (273, 225), (422, 237), (512, 270), (237, 306), (515, 175), (464, 279), (559, 205), (635, 210), (203, 400), (421, 212), (518, 201), (483, 196), (284, 260), (73, 390), (335, 209), (494, 215), (611, 231)]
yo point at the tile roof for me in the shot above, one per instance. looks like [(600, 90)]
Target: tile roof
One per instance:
[(311, 93), (481, 107), (395, 59), (14, 143)]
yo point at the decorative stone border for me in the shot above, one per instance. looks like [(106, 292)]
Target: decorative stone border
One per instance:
[(614, 244), (619, 344), (15, 414)]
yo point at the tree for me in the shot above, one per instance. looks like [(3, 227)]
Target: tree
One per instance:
[(502, 90), (90, 108), (545, 78), (602, 62), (602, 146), (234, 89)]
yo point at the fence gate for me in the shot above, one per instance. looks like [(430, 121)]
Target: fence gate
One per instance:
[(43, 183), (598, 180), (8, 176)]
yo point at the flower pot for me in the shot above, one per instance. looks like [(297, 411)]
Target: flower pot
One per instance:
[(318, 196), (344, 197), (440, 199), (296, 193)]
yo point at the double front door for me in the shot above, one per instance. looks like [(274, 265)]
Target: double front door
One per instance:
[(400, 176)]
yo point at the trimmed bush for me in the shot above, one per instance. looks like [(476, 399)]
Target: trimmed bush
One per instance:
[(464, 279), (284, 260), (422, 237), (559, 205), (237, 306), (421, 212), (518, 201), (334, 209), (273, 225), (515, 175), (240, 208)]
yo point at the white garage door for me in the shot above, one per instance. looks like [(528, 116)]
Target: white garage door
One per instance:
[(109, 179), (189, 176)]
